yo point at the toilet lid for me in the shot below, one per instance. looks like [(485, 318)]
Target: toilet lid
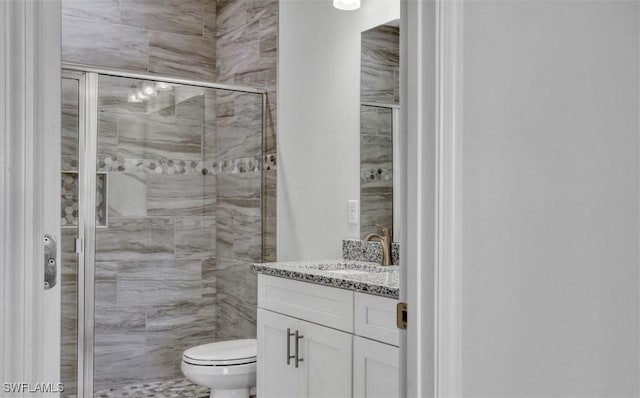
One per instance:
[(232, 352)]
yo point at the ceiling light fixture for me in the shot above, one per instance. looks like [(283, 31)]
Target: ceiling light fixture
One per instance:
[(346, 5)]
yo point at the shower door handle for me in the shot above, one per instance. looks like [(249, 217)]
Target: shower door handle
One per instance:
[(50, 261)]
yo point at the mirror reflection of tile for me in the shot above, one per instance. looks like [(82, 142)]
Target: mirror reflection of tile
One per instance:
[(380, 62)]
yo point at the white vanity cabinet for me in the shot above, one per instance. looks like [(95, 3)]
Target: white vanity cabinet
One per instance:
[(344, 342), (276, 376), (319, 366), (376, 359), (376, 369)]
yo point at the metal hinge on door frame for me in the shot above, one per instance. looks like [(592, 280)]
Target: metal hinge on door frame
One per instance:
[(401, 315)]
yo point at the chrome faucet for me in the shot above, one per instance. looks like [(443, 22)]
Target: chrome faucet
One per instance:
[(385, 239)]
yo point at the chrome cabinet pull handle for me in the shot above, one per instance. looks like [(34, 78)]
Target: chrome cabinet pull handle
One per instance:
[(298, 359), (289, 356)]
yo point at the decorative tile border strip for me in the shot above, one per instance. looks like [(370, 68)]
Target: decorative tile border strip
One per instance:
[(183, 167), (153, 166), (359, 250), (239, 166)]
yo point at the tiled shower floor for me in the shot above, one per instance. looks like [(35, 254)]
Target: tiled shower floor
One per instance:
[(176, 388)]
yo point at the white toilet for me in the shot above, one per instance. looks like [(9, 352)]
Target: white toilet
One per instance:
[(227, 367)]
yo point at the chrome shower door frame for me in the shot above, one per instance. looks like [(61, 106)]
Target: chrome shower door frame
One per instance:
[(86, 227), (88, 153)]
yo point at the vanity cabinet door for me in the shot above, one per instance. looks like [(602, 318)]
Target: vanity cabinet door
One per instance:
[(275, 377), (376, 369), (326, 367)]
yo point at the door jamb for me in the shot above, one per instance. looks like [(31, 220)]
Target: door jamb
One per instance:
[(430, 259), (30, 120)]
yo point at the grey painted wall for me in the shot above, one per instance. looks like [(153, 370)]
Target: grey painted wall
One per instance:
[(550, 281), (318, 126)]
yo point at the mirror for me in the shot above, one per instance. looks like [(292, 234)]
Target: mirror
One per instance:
[(319, 98), (379, 111)]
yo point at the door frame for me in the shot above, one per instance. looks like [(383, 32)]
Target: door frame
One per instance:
[(432, 191), (29, 184)]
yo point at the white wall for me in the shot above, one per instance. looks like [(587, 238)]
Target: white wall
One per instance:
[(550, 210), (319, 122)]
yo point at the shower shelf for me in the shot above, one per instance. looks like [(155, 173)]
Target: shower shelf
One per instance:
[(69, 200)]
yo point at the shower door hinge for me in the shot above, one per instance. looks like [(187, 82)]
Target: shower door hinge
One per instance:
[(401, 316), (50, 261), (79, 246)]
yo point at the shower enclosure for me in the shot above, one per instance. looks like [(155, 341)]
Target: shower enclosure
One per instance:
[(162, 210)]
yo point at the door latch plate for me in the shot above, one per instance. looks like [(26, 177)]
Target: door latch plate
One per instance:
[(401, 315)]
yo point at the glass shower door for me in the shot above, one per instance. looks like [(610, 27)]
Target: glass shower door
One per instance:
[(163, 201), (69, 221), (183, 188), (154, 292)]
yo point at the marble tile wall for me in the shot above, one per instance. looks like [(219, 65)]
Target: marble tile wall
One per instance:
[(172, 37), (69, 276), (376, 169), (380, 65), (69, 315), (69, 124), (246, 39)]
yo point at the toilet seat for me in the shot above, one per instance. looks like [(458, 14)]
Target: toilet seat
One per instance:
[(223, 353), (228, 368)]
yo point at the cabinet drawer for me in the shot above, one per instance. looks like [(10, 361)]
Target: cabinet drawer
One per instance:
[(324, 305), (375, 318)]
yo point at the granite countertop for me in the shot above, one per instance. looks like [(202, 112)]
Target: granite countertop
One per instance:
[(360, 276)]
